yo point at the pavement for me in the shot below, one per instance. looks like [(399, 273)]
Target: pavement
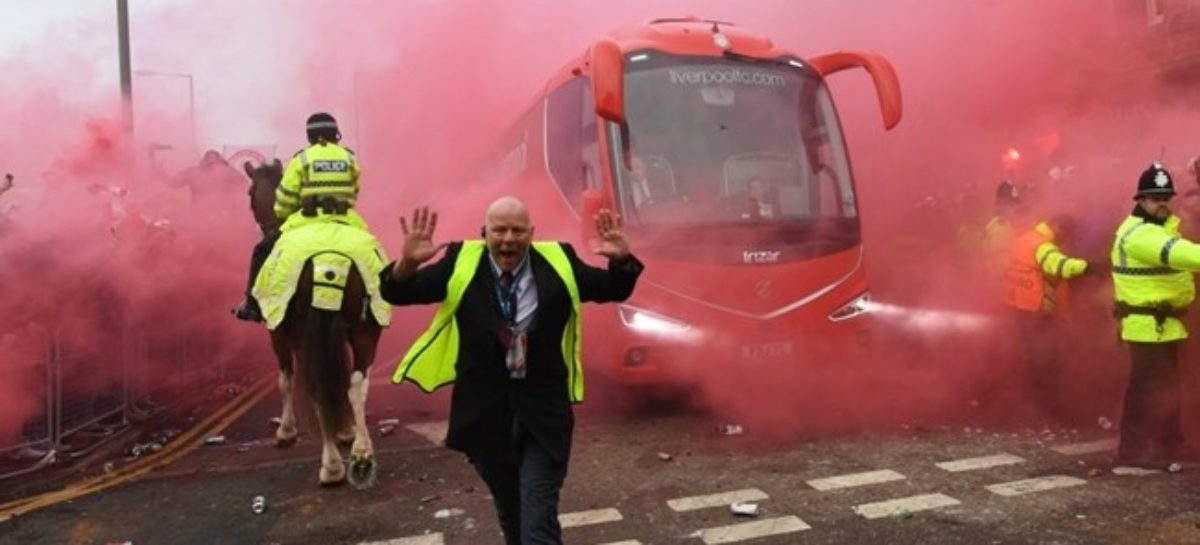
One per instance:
[(646, 475)]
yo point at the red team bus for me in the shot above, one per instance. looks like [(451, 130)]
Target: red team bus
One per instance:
[(724, 155)]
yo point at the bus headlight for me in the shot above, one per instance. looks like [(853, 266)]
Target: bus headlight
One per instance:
[(860, 305), (649, 322)]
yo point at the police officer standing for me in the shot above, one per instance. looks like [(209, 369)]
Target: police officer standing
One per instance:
[(1152, 268)]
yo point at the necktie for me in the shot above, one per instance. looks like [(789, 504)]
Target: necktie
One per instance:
[(514, 341), (508, 297)]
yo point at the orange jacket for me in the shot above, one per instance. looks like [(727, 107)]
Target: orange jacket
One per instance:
[(1037, 268)]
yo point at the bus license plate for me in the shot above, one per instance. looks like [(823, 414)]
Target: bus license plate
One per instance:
[(758, 351)]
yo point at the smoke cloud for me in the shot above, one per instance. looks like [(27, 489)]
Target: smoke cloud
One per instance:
[(423, 91)]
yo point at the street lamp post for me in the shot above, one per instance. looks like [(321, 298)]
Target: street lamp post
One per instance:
[(191, 98), (123, 57)]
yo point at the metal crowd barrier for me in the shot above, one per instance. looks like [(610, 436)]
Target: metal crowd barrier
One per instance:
[(83, 409)]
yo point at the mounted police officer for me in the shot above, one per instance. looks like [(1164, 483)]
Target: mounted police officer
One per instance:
[(320, 182)]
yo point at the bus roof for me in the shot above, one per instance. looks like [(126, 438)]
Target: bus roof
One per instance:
[(689, 35)]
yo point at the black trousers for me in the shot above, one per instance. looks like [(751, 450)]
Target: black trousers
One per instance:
[(1151, 420), (261, 252), (1043, 365), (525, 492)]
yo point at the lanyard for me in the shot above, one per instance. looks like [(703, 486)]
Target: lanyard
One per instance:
[(508, 297)]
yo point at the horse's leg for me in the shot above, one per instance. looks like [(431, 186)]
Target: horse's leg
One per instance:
[(285, 434), (318, 349), (363, 340), (333, 468), (363, 335)]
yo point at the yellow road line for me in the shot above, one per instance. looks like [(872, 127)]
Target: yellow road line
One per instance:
[(172, 451)]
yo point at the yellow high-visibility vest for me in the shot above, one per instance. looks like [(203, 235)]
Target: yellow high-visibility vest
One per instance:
[(324, 169), (431, 361), (1153, 266)]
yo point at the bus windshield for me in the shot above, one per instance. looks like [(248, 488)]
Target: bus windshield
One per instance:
[(729, 144)]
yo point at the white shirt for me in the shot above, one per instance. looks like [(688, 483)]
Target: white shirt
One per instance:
[(526, 290)]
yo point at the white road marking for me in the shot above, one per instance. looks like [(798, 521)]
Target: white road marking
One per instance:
[(427, 539), (982, 462), (626, 542), (901, 506), (1130, 471), (751, 530), (1077, 449), (856, 479), (723, 499), (434, 432), (1040, 484), (585, 518)]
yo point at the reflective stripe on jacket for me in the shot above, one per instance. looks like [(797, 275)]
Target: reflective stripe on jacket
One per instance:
[(324, 169), (1036, 272), (1152, 267)]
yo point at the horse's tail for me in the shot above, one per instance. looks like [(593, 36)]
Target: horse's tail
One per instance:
[(323, 367)]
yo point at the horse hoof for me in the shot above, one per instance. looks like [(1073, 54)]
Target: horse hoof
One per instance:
[(286, 437), (362, 471), (333, 477)]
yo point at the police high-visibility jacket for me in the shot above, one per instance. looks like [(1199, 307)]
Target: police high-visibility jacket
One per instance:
[(1037, 270), (1152, 270), (997, 243), (431, 360), (323, 169)]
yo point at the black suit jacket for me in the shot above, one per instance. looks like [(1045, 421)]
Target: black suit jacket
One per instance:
[(485, 400)]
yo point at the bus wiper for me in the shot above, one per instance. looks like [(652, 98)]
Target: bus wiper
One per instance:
[(731, 55)]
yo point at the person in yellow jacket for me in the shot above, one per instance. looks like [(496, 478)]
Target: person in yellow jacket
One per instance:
[(320, 182), (1152, 269), (1036, 288), (1000, 229), (508, 334)]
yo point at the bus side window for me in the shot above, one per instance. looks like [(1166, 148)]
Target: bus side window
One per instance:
[(564, 154), (590, 144)]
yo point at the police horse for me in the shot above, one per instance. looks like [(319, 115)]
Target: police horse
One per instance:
[(319, 342)]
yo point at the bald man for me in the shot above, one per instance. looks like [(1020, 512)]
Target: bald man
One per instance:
[(507, 334)]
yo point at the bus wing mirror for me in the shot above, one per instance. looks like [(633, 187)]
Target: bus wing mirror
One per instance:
[(887, 85), (608, 80), (591, 202)]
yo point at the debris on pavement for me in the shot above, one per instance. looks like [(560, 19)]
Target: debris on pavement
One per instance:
[(430, 498), (447, 513), (664, 456), (730, 429), (385, 431), (258, 505), (214, 440), (744, 508), (388, 422), (1104, 423)]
